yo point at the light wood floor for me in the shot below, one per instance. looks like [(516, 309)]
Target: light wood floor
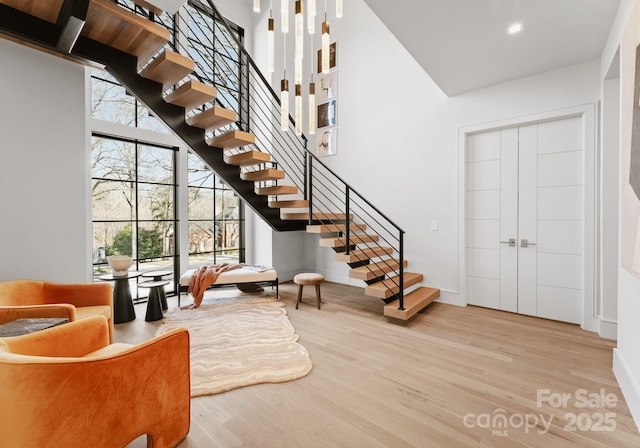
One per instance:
[(380, 384)]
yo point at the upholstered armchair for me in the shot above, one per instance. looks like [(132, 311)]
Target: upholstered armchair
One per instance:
[(68, 387), (32, 298)]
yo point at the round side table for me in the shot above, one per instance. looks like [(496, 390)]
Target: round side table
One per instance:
[(123, 310), (157, 276), (154, 305)]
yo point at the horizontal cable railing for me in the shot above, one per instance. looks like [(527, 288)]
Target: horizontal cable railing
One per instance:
[(200, 32)]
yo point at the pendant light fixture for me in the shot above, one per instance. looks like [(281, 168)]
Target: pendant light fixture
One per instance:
[(271, 45), (311, 16), (312, 99), (325, 46), (256, 5), (338, 8), (299, 30), (284, 12), (284, 92), (298, 109)]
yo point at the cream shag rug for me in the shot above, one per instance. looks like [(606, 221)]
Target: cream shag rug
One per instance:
[(239, 341)]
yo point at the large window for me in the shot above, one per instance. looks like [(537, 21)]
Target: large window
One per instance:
[(133, 203), (216, 220)]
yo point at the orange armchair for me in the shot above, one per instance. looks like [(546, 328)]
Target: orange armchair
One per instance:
[(32, 298), (67, 387)]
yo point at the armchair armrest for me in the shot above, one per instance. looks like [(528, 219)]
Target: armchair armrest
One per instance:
[(71, 340), (9, 313), (81, 294)]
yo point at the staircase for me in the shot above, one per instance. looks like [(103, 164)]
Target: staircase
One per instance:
[(242, 144)]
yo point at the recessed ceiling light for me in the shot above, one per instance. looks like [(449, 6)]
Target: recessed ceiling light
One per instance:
[(515, 28)]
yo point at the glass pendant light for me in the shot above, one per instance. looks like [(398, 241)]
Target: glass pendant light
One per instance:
[(312, 108), (299, 30), (298, 109), (297, 75), (256, 5), (271, 45), (311, 16), (284, 105), (284, 11), (325, 46), (338, 8)]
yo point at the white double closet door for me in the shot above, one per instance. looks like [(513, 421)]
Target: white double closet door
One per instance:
[(524, 219)]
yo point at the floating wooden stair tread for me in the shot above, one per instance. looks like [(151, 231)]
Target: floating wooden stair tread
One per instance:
[(363, 254), (318, 216), (213, 118), (353, 239), (297, 203), (168, 68), (248, 158), (154, 9), (413, 302), (389, 287), (375, 270), (49, 10), (231, 140), (262, 175), (277, 190), (191, 94), (333, 228), (124, 30)]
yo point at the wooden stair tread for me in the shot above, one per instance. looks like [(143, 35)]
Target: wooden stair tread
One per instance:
[(168, 68), (295, 203), (262, 175), (277, 190), (363, 254), (334, 228), (231, 140), (317, 216), (386, 288), (413, 302), (191, 94), (213, 118), (135, 35), (152, 8), (353, 239), (375, 270), (49, 10), (248, 158)]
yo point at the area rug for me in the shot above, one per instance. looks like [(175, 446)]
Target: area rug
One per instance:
[(239, 341)]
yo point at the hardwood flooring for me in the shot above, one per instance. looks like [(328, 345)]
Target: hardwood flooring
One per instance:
[(439, 380)]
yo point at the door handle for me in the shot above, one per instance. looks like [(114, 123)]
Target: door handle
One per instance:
[(525, 243), (511, 242)]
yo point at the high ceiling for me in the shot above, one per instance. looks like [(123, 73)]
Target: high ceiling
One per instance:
[(464, 44)]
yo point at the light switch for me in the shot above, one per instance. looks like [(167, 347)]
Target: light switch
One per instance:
[(434, 225)]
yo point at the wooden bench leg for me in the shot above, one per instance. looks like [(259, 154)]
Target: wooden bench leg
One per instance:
[(299, 295), (318, 295)]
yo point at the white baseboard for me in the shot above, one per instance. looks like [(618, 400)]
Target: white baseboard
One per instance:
[(451, 298), (608, 329), (628, 385)]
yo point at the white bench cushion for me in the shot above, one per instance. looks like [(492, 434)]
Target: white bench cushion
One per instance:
[(246, 274)]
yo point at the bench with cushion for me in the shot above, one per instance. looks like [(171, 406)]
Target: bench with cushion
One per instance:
[(247, 275)]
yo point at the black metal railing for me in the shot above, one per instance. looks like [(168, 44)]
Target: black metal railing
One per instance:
[(221, 60)]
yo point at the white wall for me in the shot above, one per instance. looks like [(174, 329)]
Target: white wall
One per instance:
[(43, 167), (627, 357), (398, 132)]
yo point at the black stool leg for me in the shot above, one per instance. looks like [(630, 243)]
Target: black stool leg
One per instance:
[(299, 295), (318, 295), (154, 307)]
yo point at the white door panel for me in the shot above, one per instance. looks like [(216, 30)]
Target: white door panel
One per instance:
[(560, 304), (484, 292), (560, 169), (484, 146), (563, 271), (560, 203), (483, 263), (483, 175), (560, 135), (483, 234), (509, 219), (483, 204), (560, 237)]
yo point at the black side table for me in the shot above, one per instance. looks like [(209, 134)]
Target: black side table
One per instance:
[(123, 310), (157, 276), (154, 302)]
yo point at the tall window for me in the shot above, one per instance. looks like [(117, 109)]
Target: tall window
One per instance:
[(133, 203), (216, 219)]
